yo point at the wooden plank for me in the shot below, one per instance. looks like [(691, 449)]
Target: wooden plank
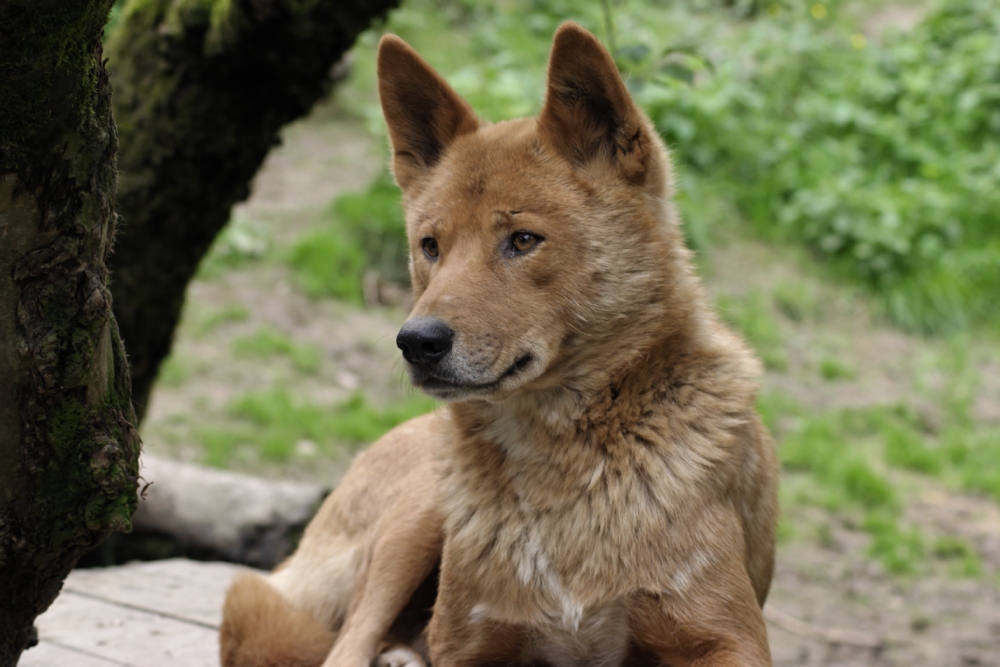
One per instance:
[(47, 654), (181, 589), (126, 636)]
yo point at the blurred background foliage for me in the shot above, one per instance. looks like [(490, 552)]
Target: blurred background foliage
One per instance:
[(882, 156)]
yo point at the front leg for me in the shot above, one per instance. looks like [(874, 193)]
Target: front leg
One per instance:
[(462, 632), (453, 643), (716, 622), (401, 559)]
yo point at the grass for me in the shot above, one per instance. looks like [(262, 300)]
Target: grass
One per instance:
[(845, 475), (359, 231), (796, 302), (327, 263), (973, 459), (962, 558), (752, 315), (226, 315), (272, 422), (242, 242), (900, 550), (173, 372), (845, 461), (269, 342), (907, 449), (833, 369)]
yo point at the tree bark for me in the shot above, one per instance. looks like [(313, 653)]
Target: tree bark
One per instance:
[(68, 450), (202, 88)]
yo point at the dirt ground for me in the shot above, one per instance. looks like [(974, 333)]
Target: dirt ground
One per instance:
[(830, 604)]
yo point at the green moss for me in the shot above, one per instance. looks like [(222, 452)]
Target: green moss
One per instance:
[(80, 452), (103, 513), (180, 15), (53, 43), (96, 463), (220, 25), (65, 421)]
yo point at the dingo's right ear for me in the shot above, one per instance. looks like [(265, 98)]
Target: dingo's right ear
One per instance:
[(423, 113), (589, 116)]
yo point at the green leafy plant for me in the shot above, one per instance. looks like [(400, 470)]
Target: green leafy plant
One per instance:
[(880, 156)]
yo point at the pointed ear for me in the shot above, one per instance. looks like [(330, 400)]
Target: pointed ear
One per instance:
[(423, 113), (589, 115)]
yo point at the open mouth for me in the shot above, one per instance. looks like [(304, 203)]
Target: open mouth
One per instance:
[(445, 386)]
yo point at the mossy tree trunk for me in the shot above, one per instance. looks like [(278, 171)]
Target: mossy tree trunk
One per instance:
[(68, 450), (202, 88)]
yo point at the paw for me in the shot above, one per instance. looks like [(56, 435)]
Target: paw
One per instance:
[(399, 656)]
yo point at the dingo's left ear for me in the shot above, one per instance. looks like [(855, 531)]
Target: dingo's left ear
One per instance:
[(589, 115), (422, 111)]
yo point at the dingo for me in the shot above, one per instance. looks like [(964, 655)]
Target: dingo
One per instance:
[(598, 489)]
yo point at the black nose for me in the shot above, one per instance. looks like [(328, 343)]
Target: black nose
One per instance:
[(424, 340)]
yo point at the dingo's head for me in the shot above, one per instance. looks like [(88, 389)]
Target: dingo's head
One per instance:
[(543, 251)]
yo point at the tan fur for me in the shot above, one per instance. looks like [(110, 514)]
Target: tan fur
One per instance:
[(261, 628), (599, 489)]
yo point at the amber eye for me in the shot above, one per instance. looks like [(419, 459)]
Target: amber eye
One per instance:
[(523, 241), (430, 247)]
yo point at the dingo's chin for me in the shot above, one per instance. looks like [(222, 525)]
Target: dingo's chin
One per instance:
[(450, 385)]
